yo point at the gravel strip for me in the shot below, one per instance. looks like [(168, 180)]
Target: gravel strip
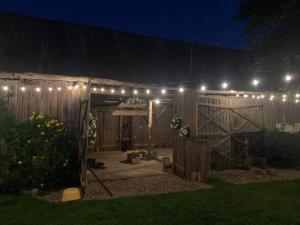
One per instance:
[(255, 175), (143, 186)]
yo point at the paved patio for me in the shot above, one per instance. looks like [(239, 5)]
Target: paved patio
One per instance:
[(117, 169)]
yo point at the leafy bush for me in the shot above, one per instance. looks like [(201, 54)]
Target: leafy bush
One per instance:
[(41, 156), (282, 149)]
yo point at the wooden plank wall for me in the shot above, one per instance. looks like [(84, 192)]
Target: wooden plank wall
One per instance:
[(189, 154), (161, 133), (62, 105), (108, 128)]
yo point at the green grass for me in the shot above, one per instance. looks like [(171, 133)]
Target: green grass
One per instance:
[(275, 203)]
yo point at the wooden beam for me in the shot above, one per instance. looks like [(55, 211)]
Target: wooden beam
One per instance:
[(130, 113)]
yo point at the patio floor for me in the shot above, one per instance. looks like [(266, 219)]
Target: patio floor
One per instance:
[(116, 168)]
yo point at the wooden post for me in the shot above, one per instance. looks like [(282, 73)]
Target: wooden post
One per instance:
[(150, 123), (120, 132)]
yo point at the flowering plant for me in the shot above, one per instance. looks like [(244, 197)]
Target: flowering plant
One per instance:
[(176, 123), (41, 155), (92, 129), (185, 131)]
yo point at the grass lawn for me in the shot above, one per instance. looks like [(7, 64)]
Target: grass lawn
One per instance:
[(260, 204)]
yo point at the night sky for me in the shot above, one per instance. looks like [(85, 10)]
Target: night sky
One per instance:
[(203, 22)]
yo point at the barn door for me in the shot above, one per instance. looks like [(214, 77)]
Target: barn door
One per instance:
[(227, 125)]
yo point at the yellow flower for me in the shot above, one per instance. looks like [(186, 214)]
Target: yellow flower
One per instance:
[(31, 118), (28, 141), (38, 125), (19, 162), (48, 125), (57, 124), (42, 133)]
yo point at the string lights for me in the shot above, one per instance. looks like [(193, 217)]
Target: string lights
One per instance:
[(163, 91)]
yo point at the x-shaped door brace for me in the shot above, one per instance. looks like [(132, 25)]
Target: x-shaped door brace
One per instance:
[(230, 133)]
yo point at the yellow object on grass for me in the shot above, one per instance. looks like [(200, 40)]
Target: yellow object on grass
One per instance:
[(70, 194)]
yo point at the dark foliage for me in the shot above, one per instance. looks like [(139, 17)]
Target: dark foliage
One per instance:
[(273, 29), (282, 150)]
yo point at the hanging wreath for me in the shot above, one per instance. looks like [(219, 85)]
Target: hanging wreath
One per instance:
[(176, 122), (92, 129), (185, 131)]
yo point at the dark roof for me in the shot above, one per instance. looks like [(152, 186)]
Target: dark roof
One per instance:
[(44, 46)]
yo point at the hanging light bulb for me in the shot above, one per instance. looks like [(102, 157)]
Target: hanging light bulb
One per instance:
[(38, 89), (112, 90), (262, 96), (50, 89), (59, 88), (297, 95), (284, 99), (135, 92), (224, 85), (253, 96), (148, 91), (76, 86), (296, 100), (23, 89), (245, 96), (157, 101), (94, 89), (255, 82), (288, 77), (203, 88), (237, 95), (163, 91), (5, 88), (181, 89), (123, 91), (70, 87), (102, 89)]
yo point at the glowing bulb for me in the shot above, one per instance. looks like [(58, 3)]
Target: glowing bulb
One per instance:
[(157, 101), (203, 88), (255, 82), (102, 89), (70, 87), (232, 91), (284, 96), (253, 96), (76, 86), (112, 91), (147, 91), (288, 77), (23, 89), (224, 85), (262, 96), (163, 91), (38, 89), (284, 99), (258, 97), (245, 96), (123, 91), (181, 89), (59, 88), (50, 89), (297, 101), (84, 86), (272, 97), (297, 95), (237, 95), (5, 88), (135, 92)]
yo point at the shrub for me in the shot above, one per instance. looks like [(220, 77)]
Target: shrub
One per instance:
[(41, 156), (282, 149)]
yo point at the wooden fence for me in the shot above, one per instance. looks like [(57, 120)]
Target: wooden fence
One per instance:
[(62, 104)]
